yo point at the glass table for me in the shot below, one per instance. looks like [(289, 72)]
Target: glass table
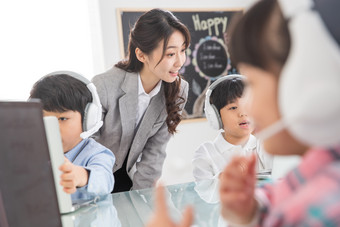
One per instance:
[(134, 208)]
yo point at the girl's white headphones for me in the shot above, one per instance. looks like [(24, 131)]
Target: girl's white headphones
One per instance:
[(309, 87), (211, 112), (93, 111)]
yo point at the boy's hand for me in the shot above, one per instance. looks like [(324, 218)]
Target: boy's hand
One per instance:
[(237, 185), (73, 176), (161, 216)]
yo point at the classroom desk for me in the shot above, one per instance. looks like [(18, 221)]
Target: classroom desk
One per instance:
[(134, 208)]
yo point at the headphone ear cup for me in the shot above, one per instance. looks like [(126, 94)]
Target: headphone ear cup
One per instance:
[(211, 112), (216, 119), (92, 121), (90, 116), (213, 116)]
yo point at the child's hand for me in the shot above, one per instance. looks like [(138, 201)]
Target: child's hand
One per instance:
[(161, 216), (73, 176), (237, 185)]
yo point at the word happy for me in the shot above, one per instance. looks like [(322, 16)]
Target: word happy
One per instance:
[(209, 24)]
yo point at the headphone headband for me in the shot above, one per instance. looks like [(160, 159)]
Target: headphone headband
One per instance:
[(74, 75), (211, 112), (93, 112)]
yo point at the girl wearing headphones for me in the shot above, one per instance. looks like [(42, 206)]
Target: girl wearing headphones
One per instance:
[(143, 97), (290, 53), (290, 85)]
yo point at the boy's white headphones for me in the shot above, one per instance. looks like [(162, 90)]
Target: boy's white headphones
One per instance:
[(309, 86), (93, 111), (211, 112)]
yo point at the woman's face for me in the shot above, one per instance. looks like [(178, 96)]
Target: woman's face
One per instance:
[(172, 62), (263, 108)]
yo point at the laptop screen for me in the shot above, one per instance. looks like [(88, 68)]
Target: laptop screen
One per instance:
[(27, 191)]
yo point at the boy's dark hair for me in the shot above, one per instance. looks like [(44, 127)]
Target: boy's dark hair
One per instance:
[(61, 92), (226, 92)]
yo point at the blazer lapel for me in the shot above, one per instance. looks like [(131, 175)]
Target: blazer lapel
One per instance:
[(153, 111), (128, 109)]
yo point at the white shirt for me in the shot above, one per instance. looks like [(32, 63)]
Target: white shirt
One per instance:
[(144, 98), (143, 103), (211, 158)]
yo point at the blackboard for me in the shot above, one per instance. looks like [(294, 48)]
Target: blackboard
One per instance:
[(207, 56)]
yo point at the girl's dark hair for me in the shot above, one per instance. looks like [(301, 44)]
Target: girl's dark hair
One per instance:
[(61, 92), (150, 29), (260, 37), (226, 92)]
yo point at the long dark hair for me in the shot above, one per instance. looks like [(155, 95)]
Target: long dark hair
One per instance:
[(260, 37), (150, 29)]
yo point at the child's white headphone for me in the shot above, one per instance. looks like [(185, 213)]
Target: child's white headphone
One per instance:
[(211, 112), (309, 87), (93, 111)]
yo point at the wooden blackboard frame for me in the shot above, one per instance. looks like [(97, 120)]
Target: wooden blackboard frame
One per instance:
[(197, 90)]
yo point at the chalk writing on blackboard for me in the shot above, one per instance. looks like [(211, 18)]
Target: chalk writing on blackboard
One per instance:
[(210, 58), (209, 24)]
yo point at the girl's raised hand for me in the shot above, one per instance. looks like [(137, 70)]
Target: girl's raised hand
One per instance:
[(161, 216), (237, 185)]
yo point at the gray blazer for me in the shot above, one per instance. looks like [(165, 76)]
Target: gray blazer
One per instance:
[(118, 92)]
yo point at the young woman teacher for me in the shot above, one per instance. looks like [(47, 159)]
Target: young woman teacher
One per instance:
[(143, 97)]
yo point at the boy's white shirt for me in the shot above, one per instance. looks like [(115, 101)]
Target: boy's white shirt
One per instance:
[(211, 158)]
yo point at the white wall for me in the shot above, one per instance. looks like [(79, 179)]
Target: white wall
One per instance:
[(178, 167), (38, 37)]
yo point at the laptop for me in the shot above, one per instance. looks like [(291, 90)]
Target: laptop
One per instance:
[(27, 191), (30, 155)]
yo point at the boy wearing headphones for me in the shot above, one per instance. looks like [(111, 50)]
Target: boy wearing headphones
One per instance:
[(225, 108), (73, 100)]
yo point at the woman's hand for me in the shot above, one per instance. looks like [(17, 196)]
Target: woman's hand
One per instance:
[(237, 185)]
